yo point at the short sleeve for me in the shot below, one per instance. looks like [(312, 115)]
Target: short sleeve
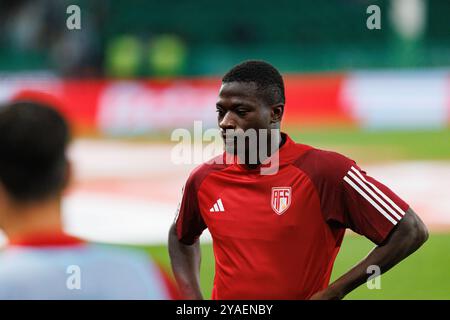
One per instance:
[(189, 222), (370, 208), (350, 198)]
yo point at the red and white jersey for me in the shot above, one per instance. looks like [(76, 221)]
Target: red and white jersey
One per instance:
[(277, 236)]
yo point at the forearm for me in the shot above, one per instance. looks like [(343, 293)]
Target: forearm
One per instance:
[(185, 262), (409, 235), (381, 256)]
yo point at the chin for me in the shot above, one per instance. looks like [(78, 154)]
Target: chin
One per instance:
[(230, 150)]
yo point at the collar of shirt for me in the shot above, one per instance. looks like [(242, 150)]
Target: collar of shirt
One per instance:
[(44, 239), (286, 153)]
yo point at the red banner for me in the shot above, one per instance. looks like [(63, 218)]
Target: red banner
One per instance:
[(145, 106)]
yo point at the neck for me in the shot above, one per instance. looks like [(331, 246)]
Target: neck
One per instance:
[(34, 218), (271, 149)]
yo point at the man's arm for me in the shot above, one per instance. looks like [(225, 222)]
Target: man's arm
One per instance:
[(409, 234), (185, 260)]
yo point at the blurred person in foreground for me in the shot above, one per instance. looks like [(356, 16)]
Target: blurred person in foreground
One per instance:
[(41, 261), (276, 236)]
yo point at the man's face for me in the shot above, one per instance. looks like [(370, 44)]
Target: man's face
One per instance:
[(240, 107)]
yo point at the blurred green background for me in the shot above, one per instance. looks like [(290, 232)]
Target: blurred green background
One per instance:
[(140, 38), (424, 275)]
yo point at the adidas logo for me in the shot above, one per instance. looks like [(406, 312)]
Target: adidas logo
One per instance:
[(218, 207)]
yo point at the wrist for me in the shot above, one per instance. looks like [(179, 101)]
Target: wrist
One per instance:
[(190, 293), (336, 291)]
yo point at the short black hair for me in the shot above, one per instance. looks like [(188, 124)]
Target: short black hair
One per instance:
[(33, 142), (266, 77)]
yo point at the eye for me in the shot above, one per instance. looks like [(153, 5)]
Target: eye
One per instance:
[(220, 112), (241, 112)]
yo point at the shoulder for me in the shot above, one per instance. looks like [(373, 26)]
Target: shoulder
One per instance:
[(198, 175), (322, 165), (118, 258), (114, 252)]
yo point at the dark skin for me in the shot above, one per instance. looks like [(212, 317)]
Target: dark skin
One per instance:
[(241, 106)]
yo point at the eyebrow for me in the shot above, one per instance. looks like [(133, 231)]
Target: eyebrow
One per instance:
[(235, 105)]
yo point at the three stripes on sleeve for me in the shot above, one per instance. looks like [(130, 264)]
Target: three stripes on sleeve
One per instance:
[(378, 199)]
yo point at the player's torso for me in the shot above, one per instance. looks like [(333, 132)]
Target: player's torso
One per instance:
[(266, 229), (255, 206)]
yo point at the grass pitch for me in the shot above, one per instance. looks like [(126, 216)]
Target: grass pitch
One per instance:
[(423, 275)]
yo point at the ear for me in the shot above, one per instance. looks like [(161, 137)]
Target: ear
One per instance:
[(277, 111)]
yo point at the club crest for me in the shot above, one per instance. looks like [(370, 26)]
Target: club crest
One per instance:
[(281, 199)]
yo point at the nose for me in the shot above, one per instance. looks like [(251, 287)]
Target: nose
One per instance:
[(227, 122)]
